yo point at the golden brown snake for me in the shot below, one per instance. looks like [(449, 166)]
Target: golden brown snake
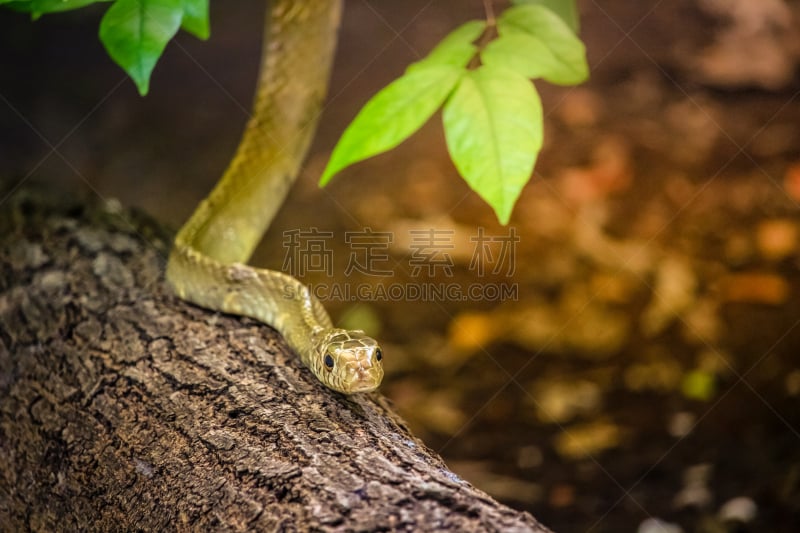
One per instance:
[(206, 265)]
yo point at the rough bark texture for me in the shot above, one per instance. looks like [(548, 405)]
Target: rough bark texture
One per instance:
[(123, 408)]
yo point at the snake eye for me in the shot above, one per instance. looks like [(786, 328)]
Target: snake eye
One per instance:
[(328, 361), (378, 354)]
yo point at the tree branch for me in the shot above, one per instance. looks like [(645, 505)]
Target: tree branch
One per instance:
[(122, 407)]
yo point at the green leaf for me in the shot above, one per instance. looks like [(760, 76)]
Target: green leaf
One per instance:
[(535, 42), (40, 7), (397, 111), (493, 126), (17, 5), (566, 9), (54, 6), (456, 49), (195, 18), (531, 58), (135, 33)]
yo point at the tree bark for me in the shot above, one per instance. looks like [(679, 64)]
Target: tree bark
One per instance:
[(124, 408)]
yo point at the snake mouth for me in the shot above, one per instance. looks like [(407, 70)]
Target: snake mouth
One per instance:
[(365, 380), (364, 386)]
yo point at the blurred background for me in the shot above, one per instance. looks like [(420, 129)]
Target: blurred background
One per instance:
[(644, 373)]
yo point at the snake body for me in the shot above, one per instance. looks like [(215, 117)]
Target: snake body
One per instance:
[(206, 264)]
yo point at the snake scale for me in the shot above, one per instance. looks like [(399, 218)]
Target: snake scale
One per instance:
[(206, 264)]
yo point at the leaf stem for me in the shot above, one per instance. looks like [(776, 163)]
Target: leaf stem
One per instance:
[(489, 33), (489, 8)]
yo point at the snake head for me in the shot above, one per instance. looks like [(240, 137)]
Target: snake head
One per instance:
[(348, 361)]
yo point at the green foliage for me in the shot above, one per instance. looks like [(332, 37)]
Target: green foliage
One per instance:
[(37, 8), (134, 32), (456, 49), (393, 114), (566, 9), (537, 43), (492, 115), (493, 127), (195, 18)]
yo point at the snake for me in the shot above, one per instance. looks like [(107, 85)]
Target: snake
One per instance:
[(207, 265)]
